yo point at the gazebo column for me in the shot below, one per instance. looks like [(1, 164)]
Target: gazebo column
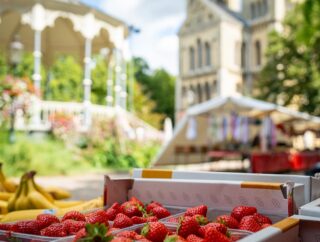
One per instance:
[(87, 82), (37, 61)]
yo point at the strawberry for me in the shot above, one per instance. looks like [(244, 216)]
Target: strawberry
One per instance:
[(122, 221), (240, 211), (155, 231), (228, 221), (201, 219), (202, 210), (26, 227), (249, 223), (152, 219), (73, 226), (160, 212), (212, 235), (111, 213), (263, 226), (44, 220), (262, 219), (194, 238), (136, 201), (99, 216), (174, 238), (138, 220), (152, 205), (127, 234), (93, 232), (188, 225), (54, 230), (121, 239), (74, 215), (130, 209), (116, 206), (6, 227), (217, 226)]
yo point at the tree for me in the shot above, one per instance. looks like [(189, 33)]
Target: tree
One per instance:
[(3, 65), (291, 75), (158, 84), (66, 84), (99, 81)]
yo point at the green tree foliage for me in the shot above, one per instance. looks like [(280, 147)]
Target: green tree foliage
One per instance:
[(144, 107), (99, 81), (292, 73), (66, 84), (158, 84), (3, 65)]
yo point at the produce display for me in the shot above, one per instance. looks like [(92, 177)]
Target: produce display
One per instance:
[(138, 222)]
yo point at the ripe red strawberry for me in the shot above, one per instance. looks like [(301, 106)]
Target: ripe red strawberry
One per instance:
[(54, 230), (122, 221), (99, 216), (152, 219), (249, 223), (160, 212), (130, 209), (152, 205), (174, 238), (188, 225), (6, 227), (121, 239), (194, 238), (138, 220), (217, 226), (262, 219), (116, 206), (155, 231), (80, 234), (73, 226), (26, 227), (240, 211), (127, 234), (202, 220), (212, 235), (263, 226), (44, 220), (74, 215), (136, 201), (202, 210), (111, 213), (228, 221)]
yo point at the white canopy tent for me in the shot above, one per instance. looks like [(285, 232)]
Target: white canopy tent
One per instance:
[(219, 106)]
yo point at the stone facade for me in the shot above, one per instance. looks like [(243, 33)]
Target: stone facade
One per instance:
[(222, 46)]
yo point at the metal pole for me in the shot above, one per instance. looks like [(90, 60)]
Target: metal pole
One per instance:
[(87, 82)]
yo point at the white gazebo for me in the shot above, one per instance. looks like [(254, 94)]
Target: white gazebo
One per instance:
[(48, 28)]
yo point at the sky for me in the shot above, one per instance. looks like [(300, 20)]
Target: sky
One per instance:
[(158, 21)]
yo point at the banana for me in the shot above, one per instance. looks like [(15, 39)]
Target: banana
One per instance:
[(9, 186), (91, 204), (67, 204), (20, 201), (12, 200), (5, 196), (24, 215), (40, 189), (58, 193), (3, 207)]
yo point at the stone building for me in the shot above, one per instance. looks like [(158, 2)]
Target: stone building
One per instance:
[(222, 46)]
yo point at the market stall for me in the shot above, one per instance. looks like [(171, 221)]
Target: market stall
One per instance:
[(239, 128)]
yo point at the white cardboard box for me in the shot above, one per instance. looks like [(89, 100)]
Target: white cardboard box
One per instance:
[(311, 184), (311, 209), (293, 229)]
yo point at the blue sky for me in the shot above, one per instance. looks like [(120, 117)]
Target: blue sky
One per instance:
[(159, 22)]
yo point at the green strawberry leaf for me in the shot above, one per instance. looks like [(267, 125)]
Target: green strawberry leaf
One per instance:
[(145, 230)]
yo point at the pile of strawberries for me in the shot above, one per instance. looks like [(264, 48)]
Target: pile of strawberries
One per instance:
[(51, 226), (135, 212)]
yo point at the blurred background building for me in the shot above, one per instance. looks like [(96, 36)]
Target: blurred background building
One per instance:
[(222, 46)]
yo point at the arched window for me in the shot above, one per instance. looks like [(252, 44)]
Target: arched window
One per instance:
[(199, 93), (199, 50), (208, 53), (243, 55), (207, 90), (258, 52), (192, 58)]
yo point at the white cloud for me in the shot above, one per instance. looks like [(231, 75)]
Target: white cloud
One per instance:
[(158, 21)]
